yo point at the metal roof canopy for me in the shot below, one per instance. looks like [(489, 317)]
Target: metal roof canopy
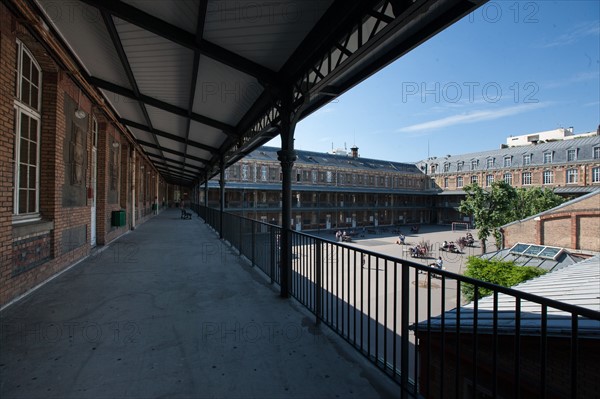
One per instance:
[(198, 82)]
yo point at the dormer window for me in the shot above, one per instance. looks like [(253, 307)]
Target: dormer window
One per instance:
[(446, 167), (526, 159), (548, 157), (507, 161), (459, 166), (490, 162), (572, 155)]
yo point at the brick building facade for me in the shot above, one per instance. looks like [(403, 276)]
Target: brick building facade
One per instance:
[(54, 128), (568, 167), (579, 217)]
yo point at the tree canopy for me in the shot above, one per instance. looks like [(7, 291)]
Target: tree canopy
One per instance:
[(502, 204), (534, 200), (506, 274)]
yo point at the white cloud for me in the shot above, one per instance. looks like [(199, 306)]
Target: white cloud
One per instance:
[(471, 117), (580, 77), (578, 32)]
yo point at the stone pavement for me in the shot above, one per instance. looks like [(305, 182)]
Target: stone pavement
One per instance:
[(169, 311)]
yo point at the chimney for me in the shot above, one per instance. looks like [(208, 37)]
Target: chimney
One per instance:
[(354, 150)]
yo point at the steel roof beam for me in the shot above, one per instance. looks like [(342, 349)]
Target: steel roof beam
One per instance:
[(167, 135), (182, 37), (116, 40), (123, 91), (187, 165), (170, 151), (176, 172)]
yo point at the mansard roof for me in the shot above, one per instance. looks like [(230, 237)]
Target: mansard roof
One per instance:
[(320, 159), (584, 147)]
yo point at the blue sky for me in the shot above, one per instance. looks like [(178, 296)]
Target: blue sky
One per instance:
[(510, 68)]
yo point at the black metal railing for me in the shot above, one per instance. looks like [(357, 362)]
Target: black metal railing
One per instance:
[(412, 322)]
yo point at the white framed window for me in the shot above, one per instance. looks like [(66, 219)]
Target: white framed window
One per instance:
[(445, 182), (474, 179), (459, 181), (446, 167), (264, 173), (507, 162), (474, 164), (526, 159), (571, 155), (526, 178), (489, 179), (596, 152), (548, 157), (548, 177), (490, 162), (596, 175), (572, 176), (329, 177), (245, 172), (27, 107), (508, 178), (459, 166)]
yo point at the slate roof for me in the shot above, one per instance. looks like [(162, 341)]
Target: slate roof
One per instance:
[(265, 153), (584, 147)]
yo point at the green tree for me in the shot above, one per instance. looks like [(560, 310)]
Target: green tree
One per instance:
[(506, 274), (490, 208), (530, 201)]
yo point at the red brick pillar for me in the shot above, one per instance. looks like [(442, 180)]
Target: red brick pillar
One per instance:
[(7, 122), (574, 228)]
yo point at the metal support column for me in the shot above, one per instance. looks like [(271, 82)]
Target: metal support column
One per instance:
[(206, 189), (221, 196), (286, 156)]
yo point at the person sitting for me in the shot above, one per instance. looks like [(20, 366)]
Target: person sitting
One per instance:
[(439, 263), (400, 240)]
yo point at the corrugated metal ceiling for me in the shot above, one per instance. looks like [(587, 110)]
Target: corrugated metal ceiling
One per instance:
[(200, 82)]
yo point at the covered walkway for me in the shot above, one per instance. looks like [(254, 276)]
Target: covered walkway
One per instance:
[(169, 310)]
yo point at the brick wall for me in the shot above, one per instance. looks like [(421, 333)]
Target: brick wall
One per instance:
[(573, 226), (442, 366), (32, 252), (7, 64)]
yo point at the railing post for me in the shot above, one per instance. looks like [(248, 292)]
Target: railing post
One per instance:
[(253, 227), (241, 229), (404, 342), (273, 249), (318, 284)]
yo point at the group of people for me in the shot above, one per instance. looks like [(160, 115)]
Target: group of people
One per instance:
[(418, 251), (450, 247), (341, 236)]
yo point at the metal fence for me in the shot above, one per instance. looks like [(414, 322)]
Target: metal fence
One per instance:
[(412, 322)]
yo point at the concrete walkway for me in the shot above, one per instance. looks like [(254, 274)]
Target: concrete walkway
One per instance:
[(168, 311)]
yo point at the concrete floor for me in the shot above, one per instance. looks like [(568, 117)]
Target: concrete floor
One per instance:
[(168, 311)]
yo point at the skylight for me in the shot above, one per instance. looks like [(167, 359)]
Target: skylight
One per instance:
[(536, 251)]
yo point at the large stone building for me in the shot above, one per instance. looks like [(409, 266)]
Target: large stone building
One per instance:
[(569, 167), (329, 190), (345, 191)]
